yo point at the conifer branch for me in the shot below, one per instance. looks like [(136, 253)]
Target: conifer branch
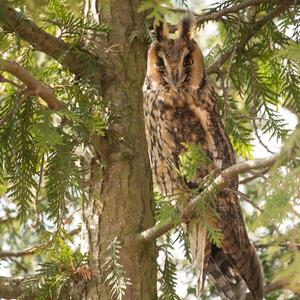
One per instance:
[(33, 249), (73, 58), (218, 184), (212, 15), (214, 67), (12, 287), (23, 97), (36, 86)]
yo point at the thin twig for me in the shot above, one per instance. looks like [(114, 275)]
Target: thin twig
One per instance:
[(277, 285), (245, 197), (256, 175), (225, 78), (254, 109), (26, 94), (215, 67), (290, 245), (38, 189), (28, 251)]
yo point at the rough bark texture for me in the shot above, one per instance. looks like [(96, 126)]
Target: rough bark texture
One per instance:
[(121, 203)]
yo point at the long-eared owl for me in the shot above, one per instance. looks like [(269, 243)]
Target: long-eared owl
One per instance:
[(179, 109)]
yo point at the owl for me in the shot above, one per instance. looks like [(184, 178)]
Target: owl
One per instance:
[(180, 109)]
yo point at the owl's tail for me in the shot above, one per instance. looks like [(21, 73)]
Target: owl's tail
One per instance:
[(223, 276), (248, 265), (200, 251), (232, 277)]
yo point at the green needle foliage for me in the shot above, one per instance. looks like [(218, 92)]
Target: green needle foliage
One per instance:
[(56, 275), (43, 176), (169, 282), (115, 279)]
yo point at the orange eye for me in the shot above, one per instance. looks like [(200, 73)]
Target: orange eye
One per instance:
[(188, 62)]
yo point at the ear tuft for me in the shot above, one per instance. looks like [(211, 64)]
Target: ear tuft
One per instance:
[(185, 27), (161, 31)]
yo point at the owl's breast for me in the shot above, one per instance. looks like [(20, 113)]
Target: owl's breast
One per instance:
[(172, 119)]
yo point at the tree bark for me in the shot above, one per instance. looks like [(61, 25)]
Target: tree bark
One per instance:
[(121, 193)]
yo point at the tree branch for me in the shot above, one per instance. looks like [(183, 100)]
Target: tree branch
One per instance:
[(212, 15), (214, 68), (245, 197), (69, 56), (34, 249), (38, 87), (254, 176), (11, 287), (218, 184), (290, 245), (25, 252), (271, 287)]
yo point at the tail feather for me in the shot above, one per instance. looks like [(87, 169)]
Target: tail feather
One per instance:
[(197, 240), (245, 262), (226, 280), (232, 269), (248, 265)]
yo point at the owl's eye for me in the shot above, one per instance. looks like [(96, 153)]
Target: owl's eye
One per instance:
[(188, 61), (160, 62)]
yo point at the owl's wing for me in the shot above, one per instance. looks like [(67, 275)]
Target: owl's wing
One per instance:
[(231, 219), (237, 251), (236, 245)]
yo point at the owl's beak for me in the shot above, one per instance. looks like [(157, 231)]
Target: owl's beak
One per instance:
[(175, 77)]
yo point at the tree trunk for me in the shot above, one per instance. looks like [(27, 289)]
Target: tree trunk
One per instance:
[(121, 202)]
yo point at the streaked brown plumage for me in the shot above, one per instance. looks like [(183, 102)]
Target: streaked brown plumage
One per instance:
[(179, 107)]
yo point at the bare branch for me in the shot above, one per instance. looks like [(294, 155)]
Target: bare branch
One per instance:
[(277, 285), (29, 251), (271, 287), (218, 184), (33, 84), (290, 245), (254, 176), (245, 197)]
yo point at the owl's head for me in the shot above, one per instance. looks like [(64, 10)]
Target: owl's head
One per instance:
[(175, 63)]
